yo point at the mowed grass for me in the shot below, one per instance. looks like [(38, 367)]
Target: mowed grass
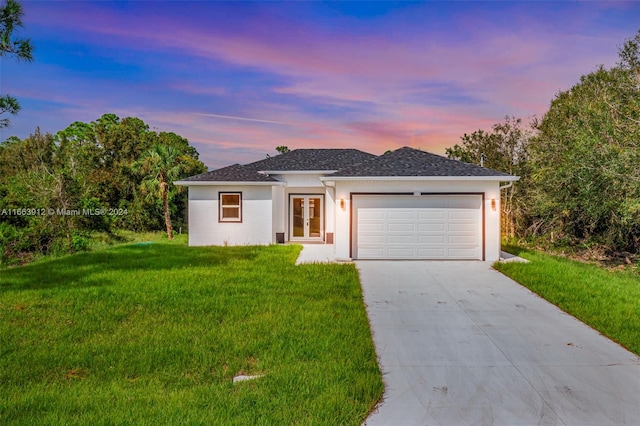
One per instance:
[(608, 301), (153, 334)]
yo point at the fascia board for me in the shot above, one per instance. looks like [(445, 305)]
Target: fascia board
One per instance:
[(226, 183), (423, 178), (296, 172)]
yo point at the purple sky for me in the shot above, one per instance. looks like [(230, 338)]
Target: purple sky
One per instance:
[(239, 79)]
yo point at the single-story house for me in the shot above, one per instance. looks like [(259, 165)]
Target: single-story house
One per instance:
[(405, 204)]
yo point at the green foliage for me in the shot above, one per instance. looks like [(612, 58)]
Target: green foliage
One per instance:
[(11, 15), (154, 334), (629, 55), (89, 170), (580, 180), (282, 149), (584, 161), (8, 104), (607, 301), (504, 149), (161, 165)]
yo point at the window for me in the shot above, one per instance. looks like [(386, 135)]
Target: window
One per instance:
[(230, 207)]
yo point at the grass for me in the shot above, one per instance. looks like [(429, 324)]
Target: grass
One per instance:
[(608, 301), (154, 334)]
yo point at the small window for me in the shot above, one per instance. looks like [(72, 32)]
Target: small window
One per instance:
[(230, 207)]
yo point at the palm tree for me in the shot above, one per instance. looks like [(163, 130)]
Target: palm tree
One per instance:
[(162, 165)]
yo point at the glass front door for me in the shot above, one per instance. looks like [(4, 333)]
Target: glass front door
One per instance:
[(306, 217)]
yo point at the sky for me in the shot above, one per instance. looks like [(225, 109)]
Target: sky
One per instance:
[(238, 79)]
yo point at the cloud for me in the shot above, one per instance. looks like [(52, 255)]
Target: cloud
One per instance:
[(255, 120), (239, 79)]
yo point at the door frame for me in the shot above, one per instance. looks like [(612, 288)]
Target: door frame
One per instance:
[(306, 196)]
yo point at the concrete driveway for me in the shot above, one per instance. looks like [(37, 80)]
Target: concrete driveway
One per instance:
[(461, 344)]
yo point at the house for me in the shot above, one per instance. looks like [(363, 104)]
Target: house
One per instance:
[(405, 204)]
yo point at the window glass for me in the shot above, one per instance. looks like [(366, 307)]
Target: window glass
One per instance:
[(230, 199), (230, 213)]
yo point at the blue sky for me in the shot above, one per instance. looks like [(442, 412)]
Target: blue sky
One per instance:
[(238, 79)]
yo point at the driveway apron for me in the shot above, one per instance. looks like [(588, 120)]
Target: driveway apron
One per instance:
[(461, 344)]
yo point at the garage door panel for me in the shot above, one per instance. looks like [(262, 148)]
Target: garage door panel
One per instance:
[(460, 227), (432, 253), (400, 227), (462, 215), (372, 239), (418, 227), (371, 253), (371, 214), (401, 239), (431, 239), (462, 239), (431, 227), (401, 215), (400, 252), (367, 227)]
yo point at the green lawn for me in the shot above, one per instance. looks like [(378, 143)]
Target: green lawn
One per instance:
[(154, 333), (606, 300)]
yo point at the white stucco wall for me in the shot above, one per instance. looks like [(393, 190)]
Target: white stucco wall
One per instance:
[(257, 217), (278, 209), (311, 180), (330, 208), (490, 189)]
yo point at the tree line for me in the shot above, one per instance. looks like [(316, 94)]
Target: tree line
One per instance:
[(111, 173), (579, 163)]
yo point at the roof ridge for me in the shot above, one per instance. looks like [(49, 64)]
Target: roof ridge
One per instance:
[(408, 161)]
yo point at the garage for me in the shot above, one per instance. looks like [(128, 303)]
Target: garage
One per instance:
[(417, 226)]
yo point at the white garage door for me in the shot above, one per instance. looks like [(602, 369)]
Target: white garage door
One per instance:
[(417, 227)]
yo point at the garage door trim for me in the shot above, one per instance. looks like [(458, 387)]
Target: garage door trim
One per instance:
[(351, 211)]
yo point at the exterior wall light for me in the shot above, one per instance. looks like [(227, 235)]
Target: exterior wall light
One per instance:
[(342, 203), (493, 204)]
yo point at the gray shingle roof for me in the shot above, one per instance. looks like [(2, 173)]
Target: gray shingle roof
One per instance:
[(298, 159), (234, 173), (349, 163), (312, 159), (413, 162)]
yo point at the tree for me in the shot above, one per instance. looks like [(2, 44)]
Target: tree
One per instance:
[(505, 149), (10, 18), (629, 55), (162, 165), (585, 159), (89, 167), (35, 181), (282, 149)]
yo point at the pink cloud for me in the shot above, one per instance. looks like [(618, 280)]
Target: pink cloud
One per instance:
[(392, 87)]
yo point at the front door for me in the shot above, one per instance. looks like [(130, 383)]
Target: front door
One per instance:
[(305, 217)]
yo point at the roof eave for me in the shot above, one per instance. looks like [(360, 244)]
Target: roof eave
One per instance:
[(227, 183), (425, 178), (296, 172)]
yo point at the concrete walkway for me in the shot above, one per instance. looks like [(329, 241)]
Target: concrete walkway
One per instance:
[(316, 253), (461, 344)]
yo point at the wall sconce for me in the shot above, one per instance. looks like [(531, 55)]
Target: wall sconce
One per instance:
[(493, 204), (342, 203)]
